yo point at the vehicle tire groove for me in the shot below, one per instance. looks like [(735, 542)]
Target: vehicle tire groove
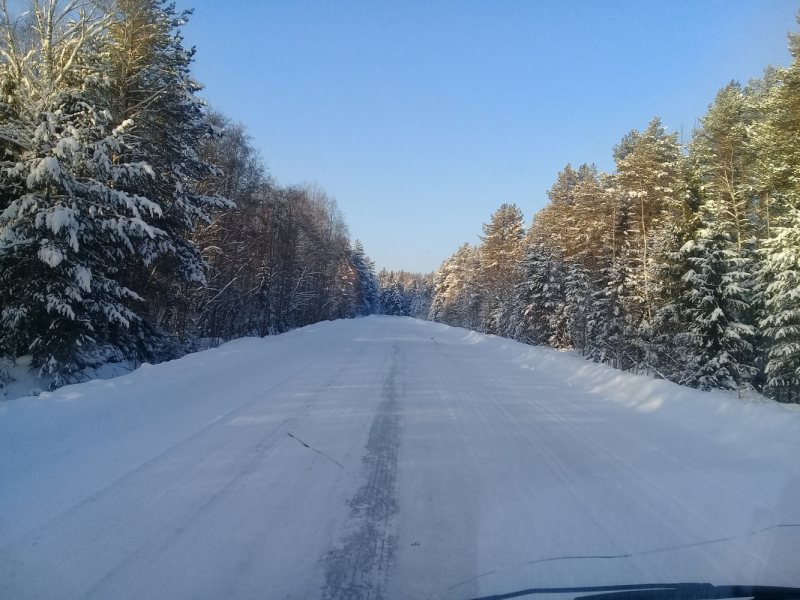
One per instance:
[(357, 568)]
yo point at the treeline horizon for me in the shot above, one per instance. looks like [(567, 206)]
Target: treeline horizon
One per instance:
[(683, 264), (138, 224)]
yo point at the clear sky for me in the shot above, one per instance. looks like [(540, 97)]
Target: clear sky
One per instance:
[(421, 118)]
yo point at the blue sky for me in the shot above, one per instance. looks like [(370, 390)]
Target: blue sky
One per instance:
[(421, 118)]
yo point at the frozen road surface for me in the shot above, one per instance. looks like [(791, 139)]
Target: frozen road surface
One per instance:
[(389, 458)]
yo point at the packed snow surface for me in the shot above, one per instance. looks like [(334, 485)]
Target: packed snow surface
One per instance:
[(390, 458)]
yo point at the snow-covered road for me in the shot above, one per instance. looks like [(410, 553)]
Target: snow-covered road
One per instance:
[(389, 458)]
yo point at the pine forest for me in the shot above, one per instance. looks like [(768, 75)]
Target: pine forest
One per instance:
[(683, 264)]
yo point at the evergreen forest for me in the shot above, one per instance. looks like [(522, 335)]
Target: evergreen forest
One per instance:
[(684, 263), (138, 224)]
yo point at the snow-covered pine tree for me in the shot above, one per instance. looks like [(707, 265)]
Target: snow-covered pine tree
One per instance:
[(650, 175), (585, 218), (588, 225), (500, 251), (759, 102), (456, 297), (553, 222), (723, 161)]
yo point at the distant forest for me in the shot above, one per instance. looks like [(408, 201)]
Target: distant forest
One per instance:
[(683, 264)]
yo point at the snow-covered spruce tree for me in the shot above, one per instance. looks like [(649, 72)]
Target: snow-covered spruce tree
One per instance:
[(718, 256), (65, 225), (718, 347), (151, 89), (81, 200), (391, 300), (423, 297), (368, 283), (661, 352), (606, 318), (664, 353), (775, 137), (540, 304), (781, 323), (471, 297), (409, 294), (578, 300)]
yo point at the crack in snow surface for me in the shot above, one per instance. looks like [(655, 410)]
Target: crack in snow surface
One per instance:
[(631, 555), (315, 450)]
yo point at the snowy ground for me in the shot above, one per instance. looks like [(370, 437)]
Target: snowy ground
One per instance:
[(25, 382), (388, 457)]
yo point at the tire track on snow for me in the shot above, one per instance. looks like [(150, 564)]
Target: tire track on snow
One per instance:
[(357, 568)]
